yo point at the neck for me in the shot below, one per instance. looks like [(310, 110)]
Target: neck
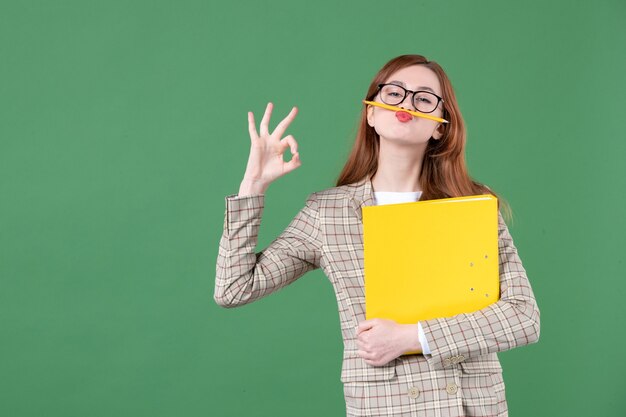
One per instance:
[(398, 168)]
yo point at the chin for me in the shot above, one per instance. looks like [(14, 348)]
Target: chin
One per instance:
[(404, 140)]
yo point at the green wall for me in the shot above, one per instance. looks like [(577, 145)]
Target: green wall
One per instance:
[(123, 125)]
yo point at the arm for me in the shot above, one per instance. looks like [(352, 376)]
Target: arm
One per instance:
[(243, 275), (510, 322), (416, 342)]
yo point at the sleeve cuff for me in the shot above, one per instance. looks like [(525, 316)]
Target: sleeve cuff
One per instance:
[(240, 210), (422, 337)]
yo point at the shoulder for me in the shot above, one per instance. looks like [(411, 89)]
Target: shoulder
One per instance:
[(333, 193)]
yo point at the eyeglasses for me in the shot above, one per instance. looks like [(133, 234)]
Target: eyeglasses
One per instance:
[(423, 101)]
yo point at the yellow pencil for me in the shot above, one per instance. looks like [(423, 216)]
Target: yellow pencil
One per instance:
[(414, 113)]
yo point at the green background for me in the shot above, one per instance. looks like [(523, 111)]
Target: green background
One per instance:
[(123, 125)]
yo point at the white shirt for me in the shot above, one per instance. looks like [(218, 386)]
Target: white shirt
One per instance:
[(392, 197)]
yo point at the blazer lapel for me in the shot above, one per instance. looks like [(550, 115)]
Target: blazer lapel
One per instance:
[(363, 196)]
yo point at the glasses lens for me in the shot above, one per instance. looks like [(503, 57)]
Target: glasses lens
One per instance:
[(425, 102), (392, 94)]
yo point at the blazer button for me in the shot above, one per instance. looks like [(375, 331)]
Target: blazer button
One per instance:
[(452, 388), (414, 392), (461, 358), (446, 362)]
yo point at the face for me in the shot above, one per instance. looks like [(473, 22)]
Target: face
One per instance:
[(418, 129)]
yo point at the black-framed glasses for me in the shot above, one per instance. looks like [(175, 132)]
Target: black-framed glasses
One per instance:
[(423, 101)]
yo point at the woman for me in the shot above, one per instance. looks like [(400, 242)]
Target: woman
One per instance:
[(395, 158)]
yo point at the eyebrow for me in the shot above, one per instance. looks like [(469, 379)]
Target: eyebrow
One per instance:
[(418, 88)]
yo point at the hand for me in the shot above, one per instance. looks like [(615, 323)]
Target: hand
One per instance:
[(265, 163), (380, 340)]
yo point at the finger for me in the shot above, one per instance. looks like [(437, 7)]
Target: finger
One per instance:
[(373, 362), (282, 126), (291, 142), (364, 354), (293, 163), (251, 127), (361, 345), (364, 325), (266, 120)]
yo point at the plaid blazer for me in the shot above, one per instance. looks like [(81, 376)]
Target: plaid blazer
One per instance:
[(327, 233)]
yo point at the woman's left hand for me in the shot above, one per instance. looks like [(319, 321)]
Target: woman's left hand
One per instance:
[(381, 340)]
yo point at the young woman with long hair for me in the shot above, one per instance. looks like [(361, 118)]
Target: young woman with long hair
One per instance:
[(397, 157)]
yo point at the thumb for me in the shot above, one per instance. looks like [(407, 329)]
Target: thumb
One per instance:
[(293, 163)]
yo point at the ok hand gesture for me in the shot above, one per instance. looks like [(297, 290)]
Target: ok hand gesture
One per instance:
[(265, 163)]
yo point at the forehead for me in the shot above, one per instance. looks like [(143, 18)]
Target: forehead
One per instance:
[(416, 76)]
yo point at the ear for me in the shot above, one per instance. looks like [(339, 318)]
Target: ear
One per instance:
[(438, 133), (370, 115)]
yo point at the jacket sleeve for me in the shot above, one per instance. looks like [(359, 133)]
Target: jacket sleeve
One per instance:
[(243, 275), (510, 322)]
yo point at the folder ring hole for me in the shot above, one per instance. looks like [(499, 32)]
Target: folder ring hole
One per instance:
[(471, 263)]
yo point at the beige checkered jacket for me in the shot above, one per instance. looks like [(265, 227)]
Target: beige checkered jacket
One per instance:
[(328, 233)]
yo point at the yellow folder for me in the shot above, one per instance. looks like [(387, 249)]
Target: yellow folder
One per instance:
[(429, 259)]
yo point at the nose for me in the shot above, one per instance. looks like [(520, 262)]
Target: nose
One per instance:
[(407, 100)]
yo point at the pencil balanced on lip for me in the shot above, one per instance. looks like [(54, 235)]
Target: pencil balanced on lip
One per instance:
[(414, 113)]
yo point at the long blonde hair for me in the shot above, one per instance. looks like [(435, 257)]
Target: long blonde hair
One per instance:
[(444, 172)]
